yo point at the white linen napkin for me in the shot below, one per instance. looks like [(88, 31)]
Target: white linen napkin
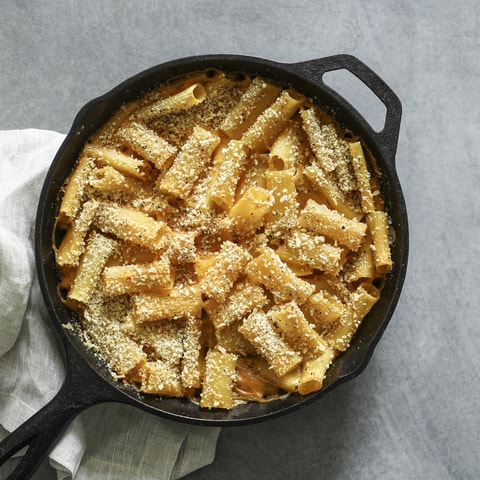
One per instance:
[(106, 441)]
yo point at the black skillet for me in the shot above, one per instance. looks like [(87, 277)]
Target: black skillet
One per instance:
[(87, 381)]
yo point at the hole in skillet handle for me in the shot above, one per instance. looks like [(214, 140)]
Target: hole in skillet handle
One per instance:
[(359, 96)]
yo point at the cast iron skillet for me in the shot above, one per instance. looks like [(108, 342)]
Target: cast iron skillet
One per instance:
[(87, 381)]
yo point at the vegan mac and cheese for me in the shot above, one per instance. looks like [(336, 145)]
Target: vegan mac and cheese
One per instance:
[(221, 239)]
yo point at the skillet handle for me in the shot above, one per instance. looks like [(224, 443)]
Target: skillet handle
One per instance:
[(80, 390), (387, 138)]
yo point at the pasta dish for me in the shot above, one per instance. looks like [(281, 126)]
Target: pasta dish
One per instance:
[(221, 239)]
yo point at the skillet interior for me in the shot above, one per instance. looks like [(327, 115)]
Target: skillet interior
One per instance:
[(95, 113)]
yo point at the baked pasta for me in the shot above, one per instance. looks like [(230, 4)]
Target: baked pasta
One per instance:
[(221, 239)]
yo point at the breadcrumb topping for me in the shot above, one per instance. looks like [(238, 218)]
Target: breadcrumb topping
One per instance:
[(221, 240)]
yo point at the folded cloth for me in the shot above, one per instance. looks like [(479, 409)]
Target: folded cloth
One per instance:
[(106, 441)]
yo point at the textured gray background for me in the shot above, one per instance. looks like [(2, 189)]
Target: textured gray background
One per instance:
[(415, 411)]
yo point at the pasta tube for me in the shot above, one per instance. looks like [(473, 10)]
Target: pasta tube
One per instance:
[(103, 330), (183, 301), (313, 372), (378, 225), (228, 165), (323, 139), (258, 96), (274, 119), (249, 212), (324, 309), (191, 366), (108, 180), (312, 252), (288, 151), (284, 212), (121, 279), (73, 243), (361, 302), (160, 378), (259, 331), (146, 143), (219, 378), (130, 225), (98, 250), (74, 188), (330, 190), (123, 163), (324, 221), (191, 161), (242, 299), (267, 269), (183, 100), (363, 176), (362, 266), (222, 270), (290, 322)]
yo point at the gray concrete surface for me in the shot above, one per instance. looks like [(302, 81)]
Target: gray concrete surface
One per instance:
[(415, 411)]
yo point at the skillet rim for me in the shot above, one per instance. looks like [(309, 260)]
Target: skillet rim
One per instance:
[(98, 108)]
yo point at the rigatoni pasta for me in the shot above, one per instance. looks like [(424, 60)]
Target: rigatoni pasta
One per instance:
[(222, 240)]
